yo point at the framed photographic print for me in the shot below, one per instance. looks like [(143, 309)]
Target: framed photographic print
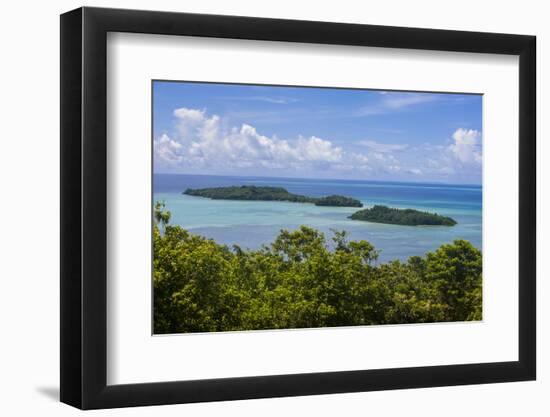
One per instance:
[(257, 208)]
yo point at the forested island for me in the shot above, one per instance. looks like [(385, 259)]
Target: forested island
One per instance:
[(254, 193), (405, 217), (338, 201), (300, 281)]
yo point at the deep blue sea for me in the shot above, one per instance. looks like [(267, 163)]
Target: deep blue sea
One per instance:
[(253, 223)]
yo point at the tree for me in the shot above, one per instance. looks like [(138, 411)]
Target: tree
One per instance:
[(161, 215), (299, 282), (455, 271)]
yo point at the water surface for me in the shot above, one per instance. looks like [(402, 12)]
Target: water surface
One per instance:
[(251, 224)]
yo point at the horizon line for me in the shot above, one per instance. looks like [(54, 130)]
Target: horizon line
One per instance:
[(321, 179)]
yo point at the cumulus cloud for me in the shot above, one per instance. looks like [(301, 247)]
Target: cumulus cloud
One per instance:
[(384, 163), (206, 143), (167, 150), (459, 161), (189, 114), (467, 146), (201, 141)]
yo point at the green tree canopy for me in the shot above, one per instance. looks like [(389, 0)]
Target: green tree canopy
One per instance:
[(299, 282)]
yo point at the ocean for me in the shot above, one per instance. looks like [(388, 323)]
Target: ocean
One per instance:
[(251, 224)]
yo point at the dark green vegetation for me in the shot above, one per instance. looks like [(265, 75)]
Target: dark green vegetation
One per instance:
[(252, 192), (297, 282), (248, 192), (407, 217), (338, 201)]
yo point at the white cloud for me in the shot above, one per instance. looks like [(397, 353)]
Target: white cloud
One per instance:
[(467, 146), (460, 161), (400, 100), (383, 147), (266, 99), (189, 114), (393, 101), (205, 143), (200, 141), (317, 149), (167, 150), (384, 163)]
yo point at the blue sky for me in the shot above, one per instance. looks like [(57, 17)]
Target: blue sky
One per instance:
[(225, 129)]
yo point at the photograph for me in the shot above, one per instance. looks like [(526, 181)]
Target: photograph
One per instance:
[(295, 207), (273, 204)]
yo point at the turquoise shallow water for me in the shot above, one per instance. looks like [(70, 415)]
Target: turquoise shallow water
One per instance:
[(253, 223)]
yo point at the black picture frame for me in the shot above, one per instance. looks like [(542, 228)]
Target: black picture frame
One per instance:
[(84, 207)]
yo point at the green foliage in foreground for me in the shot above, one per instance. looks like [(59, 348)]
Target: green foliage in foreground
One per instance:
[(254, 193), (407, 217), (297, 282)]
